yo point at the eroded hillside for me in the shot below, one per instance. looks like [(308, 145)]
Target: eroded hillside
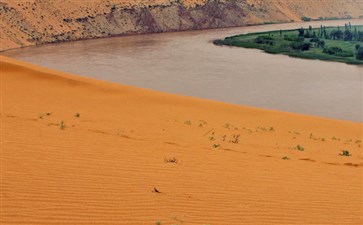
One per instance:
[(31, 22)]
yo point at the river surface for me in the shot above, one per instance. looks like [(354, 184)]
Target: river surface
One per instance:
[(187, 63)]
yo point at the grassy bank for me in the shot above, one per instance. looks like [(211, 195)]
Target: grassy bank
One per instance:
[(339, 44)]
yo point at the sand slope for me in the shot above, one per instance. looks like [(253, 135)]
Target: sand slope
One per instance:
[(31, 22), (102, 167)]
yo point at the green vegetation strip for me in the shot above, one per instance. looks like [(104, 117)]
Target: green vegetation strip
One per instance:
[(339, 44)]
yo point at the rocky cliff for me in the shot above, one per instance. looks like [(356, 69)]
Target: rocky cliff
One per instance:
[(31, 22)]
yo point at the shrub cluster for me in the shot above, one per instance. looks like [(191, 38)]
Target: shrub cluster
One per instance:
[(337, 51), (302, 46), (293, 38), (264, 40)]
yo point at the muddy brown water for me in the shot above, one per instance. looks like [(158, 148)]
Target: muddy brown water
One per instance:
[(187, 63)]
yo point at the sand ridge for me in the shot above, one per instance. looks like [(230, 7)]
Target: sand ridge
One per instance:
[(80, 151)]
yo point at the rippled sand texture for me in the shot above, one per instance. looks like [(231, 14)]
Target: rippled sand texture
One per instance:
[(81, 151)]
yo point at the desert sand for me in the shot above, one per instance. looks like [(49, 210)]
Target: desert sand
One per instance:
[(81, 151)]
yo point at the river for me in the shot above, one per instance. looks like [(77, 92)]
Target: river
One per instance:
[(187, 63)]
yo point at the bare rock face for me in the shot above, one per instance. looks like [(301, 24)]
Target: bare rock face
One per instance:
[(31, 22)]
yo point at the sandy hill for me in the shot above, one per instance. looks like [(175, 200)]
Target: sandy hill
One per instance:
[(80, 151), (28, 22)]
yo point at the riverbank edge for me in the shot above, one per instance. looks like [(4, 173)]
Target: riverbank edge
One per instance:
[(222, 42), (170, 31)]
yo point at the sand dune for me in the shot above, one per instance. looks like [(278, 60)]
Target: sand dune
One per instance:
[(81, 151)]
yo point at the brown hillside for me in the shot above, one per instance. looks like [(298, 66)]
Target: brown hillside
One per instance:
[(25, 23)]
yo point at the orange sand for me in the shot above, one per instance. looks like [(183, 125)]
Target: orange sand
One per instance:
[(102, 167)]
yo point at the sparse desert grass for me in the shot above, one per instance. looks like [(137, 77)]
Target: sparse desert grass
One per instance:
[(230, 126), (62, 125), (212, 138), (266, 128), (188, 122), (235, 138), (358, 142), (299, 148), (285, 158), (227, 126), (42, 115), (77, 115), (202, 123), (224, 137), (216, 146), (345, 153), (171, 160)]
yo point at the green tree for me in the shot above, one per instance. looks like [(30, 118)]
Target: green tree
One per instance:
[(326, 35), (301, 32), (348, 35), (337, 34)]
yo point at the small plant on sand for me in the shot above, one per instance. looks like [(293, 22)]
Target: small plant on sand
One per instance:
[(77, 115), (224, 137), (41, 116), (188, 122), (216, 145), (345, 153), (227, 126), (62, 125), (158, 222), (272, 129), (202, 123), (313, 137), (212, 138), (285, 158), (299, 147), (171, 160), (235, 138), (358, 142)]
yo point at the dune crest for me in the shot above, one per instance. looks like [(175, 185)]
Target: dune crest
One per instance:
[(82, 151)]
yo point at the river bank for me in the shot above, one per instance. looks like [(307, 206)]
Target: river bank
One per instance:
[(187, 63), (29, 23), (315, 44)]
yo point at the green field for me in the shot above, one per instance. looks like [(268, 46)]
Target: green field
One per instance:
[(340, 44)]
